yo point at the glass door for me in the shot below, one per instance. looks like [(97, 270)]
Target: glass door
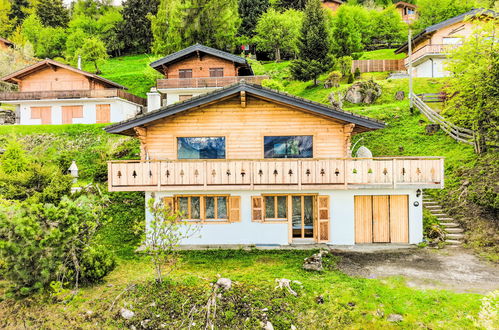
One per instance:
[(302, 216)]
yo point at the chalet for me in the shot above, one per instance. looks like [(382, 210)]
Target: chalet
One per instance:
[(253, 166), (196, 70), (431, 46), (50, 92), (407, 11), (332, 5), (5, 44)]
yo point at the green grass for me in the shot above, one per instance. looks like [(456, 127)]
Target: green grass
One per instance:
[(381, 54)]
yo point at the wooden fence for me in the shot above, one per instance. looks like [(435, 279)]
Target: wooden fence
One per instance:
[(459, 134), (378, 65)]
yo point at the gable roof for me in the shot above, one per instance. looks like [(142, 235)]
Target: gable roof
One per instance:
[(186, 52), (404, 4), (13, 77), (340, 2), (362, 123), (7, 42), (435, 27)]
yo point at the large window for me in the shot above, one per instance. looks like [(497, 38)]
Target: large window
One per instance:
[(185, 73), (203, 208), (201, 147), (276, 207), (288, 146), (216, 72)]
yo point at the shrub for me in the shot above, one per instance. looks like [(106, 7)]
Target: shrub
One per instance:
[(350, 79), (97, 262), (345, 65), (272, 84), (333, 79), (356, 74), (306, 70)]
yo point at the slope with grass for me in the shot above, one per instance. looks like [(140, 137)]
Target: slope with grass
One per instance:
[(381, 54)]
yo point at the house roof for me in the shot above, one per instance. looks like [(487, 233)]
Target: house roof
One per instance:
[(13, 77), (362, 123), (7, 42), (335, 1), (197, 48), (429, 30), (405, 4)]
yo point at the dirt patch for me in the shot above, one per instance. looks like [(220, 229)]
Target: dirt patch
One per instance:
[(451, 269)]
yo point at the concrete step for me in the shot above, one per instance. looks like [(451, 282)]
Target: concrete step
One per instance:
[(453, 242), (453, 230), (429, 203), (436, 211), (440, 215), (432, 206), (449, 224), (454, 236), (445, 219)]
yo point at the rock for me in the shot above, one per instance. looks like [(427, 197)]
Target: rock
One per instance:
[(364, 152), (126, 314), (144, 323), (395, 318), (432, 128), (336, 101), (399, 96), (284, 283), (380, 313), (268, 326), (363, 92), (293, 327), (319, 299), (314, 262), (224, 283), (7, 117)]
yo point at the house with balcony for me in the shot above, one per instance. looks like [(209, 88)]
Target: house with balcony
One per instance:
[(254, 166), (196, 70), (407, 11), (431, 46), (50, 92)]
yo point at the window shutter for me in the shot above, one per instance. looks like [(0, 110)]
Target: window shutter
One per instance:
[(323, 218), (168, 201), (257, 208), (234, 209)]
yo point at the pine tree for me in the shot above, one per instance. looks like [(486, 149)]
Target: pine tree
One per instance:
[(52, 13), (136, 31), (291, 4), (250, 11), (314, 36), (5, 22), (18, 11)]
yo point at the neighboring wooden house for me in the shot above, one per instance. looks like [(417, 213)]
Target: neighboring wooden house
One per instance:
[(407, 11), (431, 46), (51, 92), (255, 166), (5, 44), (332, 5), (196, 70)]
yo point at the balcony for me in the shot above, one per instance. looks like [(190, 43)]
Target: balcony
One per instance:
[(207, 82), (336, 173), (72, 94), (430, 50)]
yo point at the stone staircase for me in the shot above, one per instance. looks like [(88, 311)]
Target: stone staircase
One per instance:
[(455, 235)]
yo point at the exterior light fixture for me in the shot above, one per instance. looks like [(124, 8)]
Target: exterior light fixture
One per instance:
[(418, 192)]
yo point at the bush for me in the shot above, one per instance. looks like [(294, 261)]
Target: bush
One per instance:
[(333, 79), (350, 79), (97, 262), (345, 65), (306, 70), (272, 84), (356, 74)]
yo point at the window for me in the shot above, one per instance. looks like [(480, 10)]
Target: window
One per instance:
[(204, 208), (216, 72), (288, 146), (185, 73), (201, 147), (276, 207), (451, 41)]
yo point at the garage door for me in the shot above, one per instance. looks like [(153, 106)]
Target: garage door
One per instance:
[(382, 219)]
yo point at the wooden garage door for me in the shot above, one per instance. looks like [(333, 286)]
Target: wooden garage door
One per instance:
[(71, 112), (103, 113), (43, 113), (381, 219)]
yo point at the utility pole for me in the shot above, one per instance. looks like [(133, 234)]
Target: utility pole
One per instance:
[(409, 43)]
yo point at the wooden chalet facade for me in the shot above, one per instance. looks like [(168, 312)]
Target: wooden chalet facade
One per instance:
[(196, 70), (253, 166), (50, 92), (407, 11), (431, 46), (5, 44)]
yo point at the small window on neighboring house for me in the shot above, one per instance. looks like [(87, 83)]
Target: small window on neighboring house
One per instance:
[(184, 97), (410, 11), (216, 72), (201, 147), (288, 146), (276, 207), (185, 73)]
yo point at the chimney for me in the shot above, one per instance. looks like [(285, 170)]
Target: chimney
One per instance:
[(153, 100), (79, 62)]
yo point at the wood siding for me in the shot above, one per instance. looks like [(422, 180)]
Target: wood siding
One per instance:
[(70, 112), (43, 113), (56, 79), (363, 219), (200, 66), (103, 113), (245, 128), (399, 219), (381, 219)]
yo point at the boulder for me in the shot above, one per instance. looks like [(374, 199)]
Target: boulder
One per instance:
[(394, 318), (224, 283), (126, 314), (336, 101), (314, 262), (400, 95), (432, 128), (363, 92)]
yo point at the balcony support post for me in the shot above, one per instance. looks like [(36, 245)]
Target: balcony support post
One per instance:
[(159, 175), (394, 174), (299, 174), (205, 175)]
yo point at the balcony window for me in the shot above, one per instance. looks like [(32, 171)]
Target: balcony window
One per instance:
[(185, 73), (201, 147), (216, 72), (288, 146)]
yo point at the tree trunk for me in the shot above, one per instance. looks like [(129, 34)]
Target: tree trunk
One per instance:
[(97, 71), (278, 54)]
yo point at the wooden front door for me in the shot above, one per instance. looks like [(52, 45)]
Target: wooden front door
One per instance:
[(382, 219)]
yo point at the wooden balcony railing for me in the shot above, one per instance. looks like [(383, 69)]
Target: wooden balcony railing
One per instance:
[(206, 82), (430, 50), (72, 94), (339, 173)]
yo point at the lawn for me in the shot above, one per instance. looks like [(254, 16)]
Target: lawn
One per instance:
[(326, 300), (381, 54)]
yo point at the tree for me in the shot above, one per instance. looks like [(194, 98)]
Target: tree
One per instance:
[(18, 11), (474, 86), (432, 12), (350, 30), (5, 21), (250, 11), (388, 26), (277, 31), (164, 234), (109, 26), (314, 37), (75, 39), (52, 13), (91, 8), (135, 32), (305, 70), (291, 4), (93, 50)]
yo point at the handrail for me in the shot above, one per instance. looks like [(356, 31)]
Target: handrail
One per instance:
[(431, 49), (203, 82)]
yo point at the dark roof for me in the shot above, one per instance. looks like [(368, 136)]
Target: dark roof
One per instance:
[(404, 4), (336, 1), (362, 123), (7, 42), (48, 62), (186, 52), (422, 35)]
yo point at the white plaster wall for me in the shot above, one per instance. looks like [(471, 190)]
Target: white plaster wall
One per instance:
[(120, 110), (173, 95), (424, 69), (342, 224)]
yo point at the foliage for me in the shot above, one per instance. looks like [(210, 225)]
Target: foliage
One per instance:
[(109, 26), (52, 13), (18, 11), (431, 227), (42, 243), (333, 79), (387, 27), (474, 88), (164, 233), (277, 31), (314, 41), (96, 262), (73, 42), (179, 24), (273, 84), (349, 30), (356, 74), (307, 70), (345, 65), (432, 12), (5, 21), (250, 12), (14, 159), (291, 4), (91, 8), (93, 50), (136, 31)]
